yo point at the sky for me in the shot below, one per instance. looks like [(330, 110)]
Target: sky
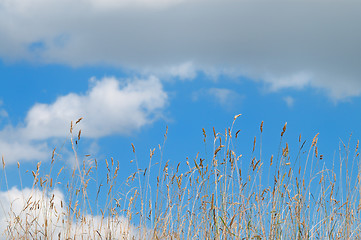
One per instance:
[(130, 68)]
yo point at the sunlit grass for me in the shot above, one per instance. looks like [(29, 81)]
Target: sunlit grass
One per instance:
[(224, 195)]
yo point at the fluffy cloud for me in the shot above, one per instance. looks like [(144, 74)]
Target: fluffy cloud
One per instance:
[(284, 43), (25, 212), (109, 107), (16, 150), (19, 207)]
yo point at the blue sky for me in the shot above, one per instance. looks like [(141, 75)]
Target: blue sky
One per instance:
[(131, 68)]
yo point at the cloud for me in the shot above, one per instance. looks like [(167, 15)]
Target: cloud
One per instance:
[(109, 107), (224, 97), (183, 71), (24, 212), (16, 215), (109, 4), (3, 112), (4, 116), (289, 101), (287, 44), (14, 150), (297, 81)]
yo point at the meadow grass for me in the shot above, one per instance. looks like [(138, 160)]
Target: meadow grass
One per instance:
[(224, 195)]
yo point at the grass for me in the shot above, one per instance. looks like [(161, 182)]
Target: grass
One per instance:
[(221, 196)]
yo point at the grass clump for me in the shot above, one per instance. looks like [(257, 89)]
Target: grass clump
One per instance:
[(224, 196)]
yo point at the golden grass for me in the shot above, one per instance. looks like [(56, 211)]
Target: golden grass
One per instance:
[(225, 196)]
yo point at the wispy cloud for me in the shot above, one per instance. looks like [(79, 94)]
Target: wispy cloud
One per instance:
[(183, 71), (224, 97), (296, 81), (3, 112), (110, 107), (289, 101)]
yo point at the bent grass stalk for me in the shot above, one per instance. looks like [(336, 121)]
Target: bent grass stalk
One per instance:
[(224, 196)]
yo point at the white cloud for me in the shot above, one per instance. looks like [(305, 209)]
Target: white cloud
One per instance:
[(16, 150), (16, 215), (298, 81), (25, 212), (289, 101), (183, 71), (269, 41), (109, 107), (221, 95), (224, 97), (3, 112)]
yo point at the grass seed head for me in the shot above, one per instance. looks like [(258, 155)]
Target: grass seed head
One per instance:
[(235, 117), (78, 120), (284, 129)]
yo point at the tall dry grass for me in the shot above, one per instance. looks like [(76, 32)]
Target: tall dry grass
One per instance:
[(291, 195)]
